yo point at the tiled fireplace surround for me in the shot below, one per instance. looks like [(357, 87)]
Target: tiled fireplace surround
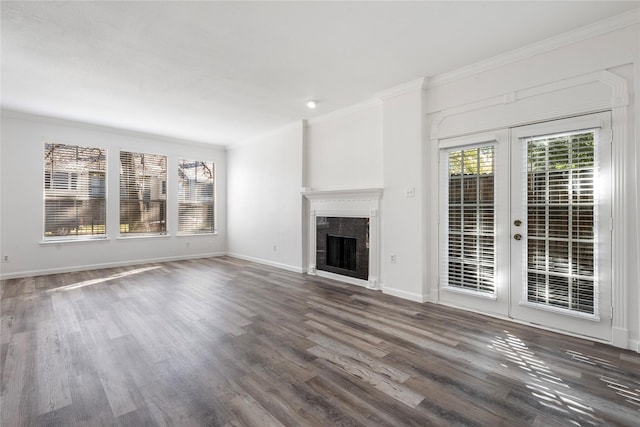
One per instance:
[(363, 203)]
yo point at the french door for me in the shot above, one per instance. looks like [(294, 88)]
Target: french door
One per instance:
[(526, 230), (474, 244), (560, 251)]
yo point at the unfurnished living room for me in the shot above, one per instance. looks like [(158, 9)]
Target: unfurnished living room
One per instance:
[(314, 213)]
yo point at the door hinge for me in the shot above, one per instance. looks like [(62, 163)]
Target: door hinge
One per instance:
[(610, 136), (610, 224), (611, 313)]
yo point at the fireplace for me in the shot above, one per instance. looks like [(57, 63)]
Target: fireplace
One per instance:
[(342, 246), (343, 235)]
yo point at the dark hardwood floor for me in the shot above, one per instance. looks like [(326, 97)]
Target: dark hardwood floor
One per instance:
[(223, 342)]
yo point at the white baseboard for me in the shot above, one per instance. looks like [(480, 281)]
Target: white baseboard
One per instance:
[(267, 262), (405, 295), (634, 345), (70, 269)]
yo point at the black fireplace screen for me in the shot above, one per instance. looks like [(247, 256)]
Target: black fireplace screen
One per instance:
[(343, 246), (341, 252)]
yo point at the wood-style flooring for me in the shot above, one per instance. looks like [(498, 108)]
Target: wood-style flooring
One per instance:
[(224, 342)]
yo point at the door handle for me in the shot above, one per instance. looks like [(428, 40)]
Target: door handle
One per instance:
[(517, 236)]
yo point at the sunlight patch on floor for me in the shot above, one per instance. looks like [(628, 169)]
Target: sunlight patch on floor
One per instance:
[(548, 388), (631, 393), (102, 279)]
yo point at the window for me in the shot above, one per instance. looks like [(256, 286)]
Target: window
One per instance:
[(471, 218), (195, 197), (142, 199), (74, 192), (561, 212)]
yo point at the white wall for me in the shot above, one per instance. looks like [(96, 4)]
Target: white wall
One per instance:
[(264, 204), (344, 149), (22, 199), (401, 214)]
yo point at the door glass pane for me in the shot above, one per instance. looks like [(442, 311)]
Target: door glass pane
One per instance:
[(560, 217), (471, 219)]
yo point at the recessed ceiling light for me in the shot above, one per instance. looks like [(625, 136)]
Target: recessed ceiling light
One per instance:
[(312, 104)]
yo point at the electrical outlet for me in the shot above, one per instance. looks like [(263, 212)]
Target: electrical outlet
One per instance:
[(392, 258), (5, 258), (275, 248), (410, 192)]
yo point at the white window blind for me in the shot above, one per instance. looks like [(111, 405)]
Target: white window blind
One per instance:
[(143, 193), (470, 250), (561, 216), (195, 197), (74, 192)]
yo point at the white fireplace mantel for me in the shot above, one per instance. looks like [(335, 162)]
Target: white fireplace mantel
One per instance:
[(357, 203)]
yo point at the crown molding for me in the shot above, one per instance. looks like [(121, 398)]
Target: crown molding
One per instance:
[(624, 20), (417, 84)]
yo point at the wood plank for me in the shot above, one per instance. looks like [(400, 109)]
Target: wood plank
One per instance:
[(389, 387), (355, 342), (252, 413), (18, 401), (355, 354), (53, 378), (345, 327)]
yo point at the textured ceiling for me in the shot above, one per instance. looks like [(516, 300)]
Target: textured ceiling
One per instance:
[(220, 72)]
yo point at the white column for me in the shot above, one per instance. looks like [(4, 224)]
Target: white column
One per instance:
[(312, 242), (374, 251), (620, 327)]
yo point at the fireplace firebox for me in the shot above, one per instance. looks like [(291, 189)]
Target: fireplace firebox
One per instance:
[(343, 246), (341, 252)]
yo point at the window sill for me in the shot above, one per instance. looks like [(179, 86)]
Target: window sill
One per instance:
[(561, 311), (215, 233), (65, 241), (143, 236), (485, 295)]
